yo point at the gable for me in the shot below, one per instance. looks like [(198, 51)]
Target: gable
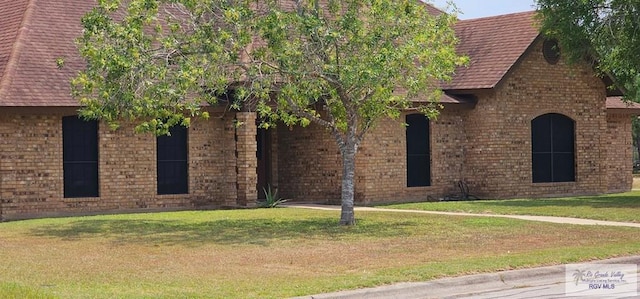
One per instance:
[(494, 45), (533, 78)]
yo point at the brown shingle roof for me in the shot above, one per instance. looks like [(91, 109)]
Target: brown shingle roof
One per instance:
[(35, 33), (494, 45), (616, 104), (11, 17), (434, 11)]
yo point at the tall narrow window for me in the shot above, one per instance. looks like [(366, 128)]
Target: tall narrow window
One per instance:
[(80, 157), (553, 148), (172, 162), (418, 151)]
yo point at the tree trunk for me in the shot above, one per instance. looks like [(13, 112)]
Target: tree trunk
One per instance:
[(347, 217)]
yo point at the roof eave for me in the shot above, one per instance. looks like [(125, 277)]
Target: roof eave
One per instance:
[(617, 105)]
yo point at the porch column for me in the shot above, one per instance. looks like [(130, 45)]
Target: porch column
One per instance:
[(246, 161)]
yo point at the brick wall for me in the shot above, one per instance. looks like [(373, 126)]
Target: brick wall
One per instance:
[(212, 163), (487, 146), (31, 172), (498, 160), (309, 164), (384, 162), (619, 153), (127, 171)]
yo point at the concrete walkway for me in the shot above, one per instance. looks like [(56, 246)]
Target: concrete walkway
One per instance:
[(563, 220), (541, 282)]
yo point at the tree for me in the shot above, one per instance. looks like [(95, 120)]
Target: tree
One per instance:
[(340, 64), (606, 33)]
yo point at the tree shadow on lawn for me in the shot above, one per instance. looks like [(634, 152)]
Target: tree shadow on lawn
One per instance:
[(263, 232)]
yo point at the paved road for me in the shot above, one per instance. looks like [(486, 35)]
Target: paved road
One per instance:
[(538, 283), (543, 282)]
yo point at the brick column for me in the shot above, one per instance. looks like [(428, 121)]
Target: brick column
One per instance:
[(246, 161)]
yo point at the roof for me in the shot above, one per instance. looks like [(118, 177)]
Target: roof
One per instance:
[(494, 45), (434, 11), (33, 35), (617, 104), (11, 17)]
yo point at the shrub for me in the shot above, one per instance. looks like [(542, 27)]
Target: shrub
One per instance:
[(271, 199)]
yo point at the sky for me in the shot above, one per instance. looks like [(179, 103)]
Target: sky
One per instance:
[(472, 9)]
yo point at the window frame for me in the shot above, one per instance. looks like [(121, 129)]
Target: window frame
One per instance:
[(172, 162), (553, 155), (418, 151), (80, 158)]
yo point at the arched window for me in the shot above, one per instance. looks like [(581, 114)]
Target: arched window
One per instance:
[(553, 148), (418, 151), (172, 162)]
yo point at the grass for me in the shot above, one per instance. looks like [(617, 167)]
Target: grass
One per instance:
[(618, 207), (14, 291), (275, 253)]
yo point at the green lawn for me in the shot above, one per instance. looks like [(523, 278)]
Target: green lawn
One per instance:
[(618, 207), (275, 253)]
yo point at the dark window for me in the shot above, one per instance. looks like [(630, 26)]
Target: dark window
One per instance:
[(553, 148), (418, 151), (551, 51), (80, 157), (172, 162)]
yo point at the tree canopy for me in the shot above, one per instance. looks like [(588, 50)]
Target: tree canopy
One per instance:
[(606, 33), (339, 64)]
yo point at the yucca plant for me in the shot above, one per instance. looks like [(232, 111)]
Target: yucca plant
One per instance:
[(271, 198)]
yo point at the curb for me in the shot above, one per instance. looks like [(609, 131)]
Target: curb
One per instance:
[(468, 285)]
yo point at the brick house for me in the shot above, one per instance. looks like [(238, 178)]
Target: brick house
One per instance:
[(518, 122)]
